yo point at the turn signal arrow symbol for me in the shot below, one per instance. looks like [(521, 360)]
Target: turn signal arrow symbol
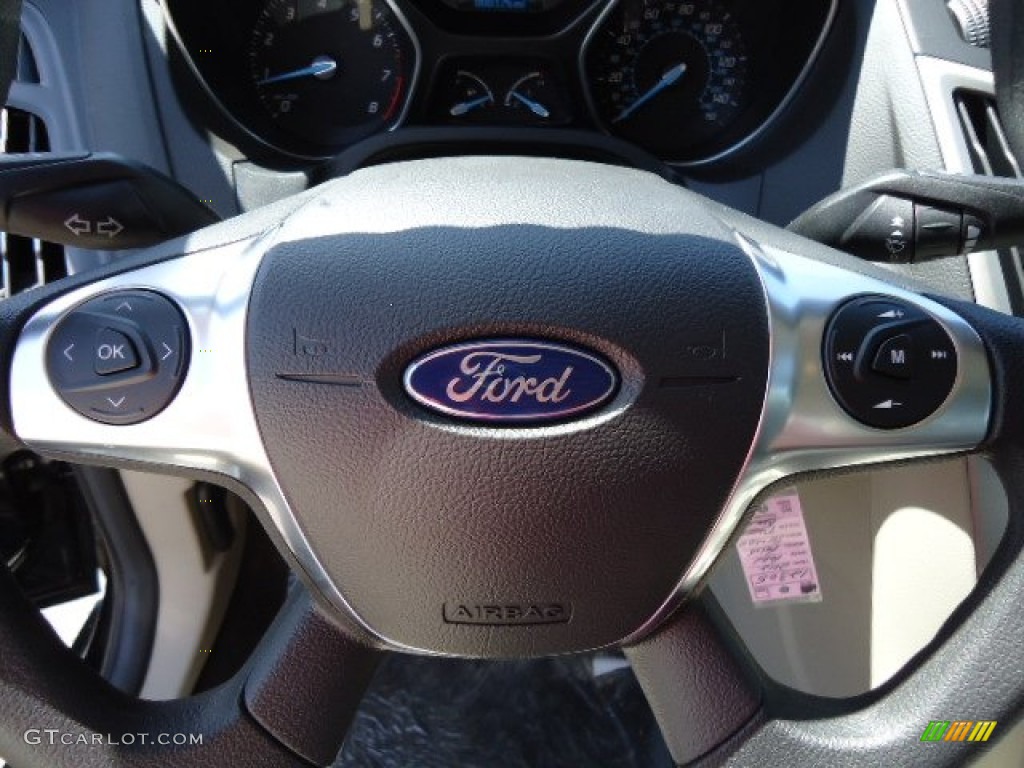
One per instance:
[(111, 227), (78, 225)]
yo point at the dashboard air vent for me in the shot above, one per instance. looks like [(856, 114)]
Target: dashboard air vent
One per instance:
[(986, 141), (991, 156), (26, 262), (28, 70)]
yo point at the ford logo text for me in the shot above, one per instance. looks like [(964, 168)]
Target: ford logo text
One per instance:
[(513, 380)]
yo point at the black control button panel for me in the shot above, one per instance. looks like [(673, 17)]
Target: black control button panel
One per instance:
[(885, 232), (119, 358), (888, 363)]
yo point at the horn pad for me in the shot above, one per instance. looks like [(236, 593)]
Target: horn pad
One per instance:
[(469, 493)]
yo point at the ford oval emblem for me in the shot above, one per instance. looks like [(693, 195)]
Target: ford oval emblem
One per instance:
[(511, 380)]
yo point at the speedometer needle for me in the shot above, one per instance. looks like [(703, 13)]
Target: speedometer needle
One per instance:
[(669, 77), (322, 67)]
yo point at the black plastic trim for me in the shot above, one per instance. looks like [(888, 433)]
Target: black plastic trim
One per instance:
[(260, 591), (933, 32), (419, 143), (133, 588), (10, 39), (1007, 20), (306, 665)]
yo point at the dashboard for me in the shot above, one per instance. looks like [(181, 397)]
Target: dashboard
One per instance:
[(688, 81)]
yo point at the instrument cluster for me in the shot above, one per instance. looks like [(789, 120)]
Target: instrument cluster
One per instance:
[(690, 81)]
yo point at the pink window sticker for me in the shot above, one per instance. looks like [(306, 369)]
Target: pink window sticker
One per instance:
[(775, 553)]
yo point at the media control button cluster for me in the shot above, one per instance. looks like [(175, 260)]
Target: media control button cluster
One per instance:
[(888, 363), (119, 358)]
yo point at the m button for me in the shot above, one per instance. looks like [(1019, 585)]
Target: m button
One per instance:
[(113, 353), (895, 357)]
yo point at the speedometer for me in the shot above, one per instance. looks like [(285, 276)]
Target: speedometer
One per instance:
[(669, 76), (331, 72)]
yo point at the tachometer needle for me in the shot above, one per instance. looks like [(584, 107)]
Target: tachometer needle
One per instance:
[(322, 68), (467, 106), (534, 106), (669, 77)]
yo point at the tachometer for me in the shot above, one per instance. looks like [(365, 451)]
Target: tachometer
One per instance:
[(669, 76), (331, 71)]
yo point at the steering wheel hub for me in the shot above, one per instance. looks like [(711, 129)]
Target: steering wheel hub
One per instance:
[(514, 438)]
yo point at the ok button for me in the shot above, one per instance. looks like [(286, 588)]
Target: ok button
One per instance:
[(113, 353)]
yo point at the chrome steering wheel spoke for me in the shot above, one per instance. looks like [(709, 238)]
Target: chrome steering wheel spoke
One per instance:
[(804, 429)]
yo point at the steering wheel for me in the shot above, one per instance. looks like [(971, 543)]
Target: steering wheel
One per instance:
[(506, 407)]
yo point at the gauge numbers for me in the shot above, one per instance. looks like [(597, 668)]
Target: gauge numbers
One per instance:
[(330, 72), (669, 75)]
